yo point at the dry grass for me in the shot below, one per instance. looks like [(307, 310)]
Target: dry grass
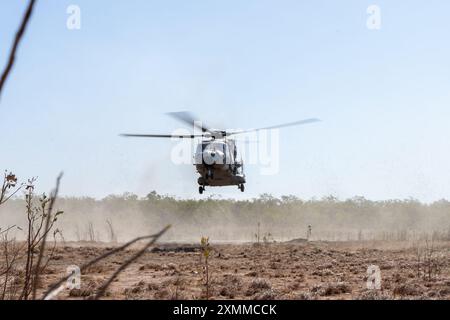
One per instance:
[(173, 273)]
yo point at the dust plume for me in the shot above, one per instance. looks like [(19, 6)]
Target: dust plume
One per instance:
[(265, 218)]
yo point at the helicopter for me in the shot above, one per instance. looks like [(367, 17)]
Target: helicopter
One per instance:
[(216, 157)]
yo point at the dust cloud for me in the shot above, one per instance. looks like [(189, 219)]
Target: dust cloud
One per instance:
[(120, 218)]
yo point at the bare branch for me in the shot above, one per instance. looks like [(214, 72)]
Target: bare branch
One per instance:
[(7, 230), (56, 285), (48, 225), (17, 39), (105, 286)]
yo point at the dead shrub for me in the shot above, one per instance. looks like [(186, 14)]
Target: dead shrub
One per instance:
[(231, 286), (257, 286), (374, 295), (331, 289), (266, 295), (409, 289)]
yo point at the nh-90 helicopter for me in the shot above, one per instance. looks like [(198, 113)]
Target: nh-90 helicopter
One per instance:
[(216, 157)]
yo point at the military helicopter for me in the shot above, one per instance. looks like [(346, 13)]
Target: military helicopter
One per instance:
[(216, 157)]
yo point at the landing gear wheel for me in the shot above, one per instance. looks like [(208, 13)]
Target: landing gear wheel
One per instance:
[(201, 190), (242, 187)]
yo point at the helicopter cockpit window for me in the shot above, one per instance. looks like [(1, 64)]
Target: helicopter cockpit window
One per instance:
[(214, 146), (221, 148)]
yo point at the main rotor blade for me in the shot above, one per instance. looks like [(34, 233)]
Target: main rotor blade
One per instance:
[(290, 124), (168, 136), (189, 119)]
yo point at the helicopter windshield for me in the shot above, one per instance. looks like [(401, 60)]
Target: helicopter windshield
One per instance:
[(212, 146), (217, 146)]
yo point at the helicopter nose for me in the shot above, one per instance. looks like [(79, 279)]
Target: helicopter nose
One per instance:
[(213, 157)]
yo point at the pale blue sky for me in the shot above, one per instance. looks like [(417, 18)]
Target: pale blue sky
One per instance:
[(383, 95)]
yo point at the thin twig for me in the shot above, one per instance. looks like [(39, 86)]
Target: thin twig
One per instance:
[(17, 39), (56, 285), (3, 200), (54, 195), (105, 286), (7, 230)]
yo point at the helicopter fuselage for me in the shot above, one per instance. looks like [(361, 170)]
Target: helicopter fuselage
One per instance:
[(217, 163), (216, 157)]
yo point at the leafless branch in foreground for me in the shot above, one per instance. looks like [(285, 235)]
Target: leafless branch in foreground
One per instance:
[(17, 40), (101, 291), (153, 237), (48, 222), (7, 230)]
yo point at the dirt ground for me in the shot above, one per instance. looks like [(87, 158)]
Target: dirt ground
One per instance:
[(296, 270)]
